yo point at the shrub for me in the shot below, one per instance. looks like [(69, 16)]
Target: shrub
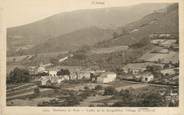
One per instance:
[(110, 91), (36, 90), (18, 76), (98, 87), (151, 100), (86, 88)]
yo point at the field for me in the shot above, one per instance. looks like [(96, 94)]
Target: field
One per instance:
[(109, 50), (165, 58), (29, 57), (23, 94)]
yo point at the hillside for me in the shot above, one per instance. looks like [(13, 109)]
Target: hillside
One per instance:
[(161, 21), (136, 37), (26, 36), (74, 40)]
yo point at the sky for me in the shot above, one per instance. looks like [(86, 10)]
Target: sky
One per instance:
[(20, 12)]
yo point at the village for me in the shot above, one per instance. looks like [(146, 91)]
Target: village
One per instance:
[(52, 85)]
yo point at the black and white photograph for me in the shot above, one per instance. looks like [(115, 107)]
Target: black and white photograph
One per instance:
[(97, 53)]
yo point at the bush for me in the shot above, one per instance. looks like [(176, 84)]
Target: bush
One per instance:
[(151, 100), (110, 91), (118, 104), (63, 72), (98, 87), (72, 100), (86, 88), (115, 35), (37, 91), (43, 74), (145, 98)]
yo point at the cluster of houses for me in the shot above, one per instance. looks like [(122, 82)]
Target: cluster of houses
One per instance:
[(137, 71), (52, 77), (164, 57), (140, 71)]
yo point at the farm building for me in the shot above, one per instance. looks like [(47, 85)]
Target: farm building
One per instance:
[(44, 80), (147, 77), (77, 75), (106, 77), (136, 68), (41, 69), (65, 77), (84, 74), (52, 73), (47, 80), (170, 71)]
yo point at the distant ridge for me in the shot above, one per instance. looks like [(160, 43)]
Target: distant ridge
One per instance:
[(29, 35)]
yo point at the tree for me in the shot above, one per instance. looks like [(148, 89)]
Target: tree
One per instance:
[(43, 74), (166, 66), (86, 88), (36, 91), (72, 100), (151, 100), (18, 76), (80, 54), (119, 71), (98, 87), (115, 35), (124, 31), (64, 72), (141, 43)]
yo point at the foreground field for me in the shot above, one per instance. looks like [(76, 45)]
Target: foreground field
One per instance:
[(23, 94)]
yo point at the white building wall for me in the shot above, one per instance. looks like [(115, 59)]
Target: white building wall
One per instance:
[(106, 78), (147, 78), (52, 73)]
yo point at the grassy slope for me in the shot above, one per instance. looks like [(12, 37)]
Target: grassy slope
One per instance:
[(74, 40), (152, 23)]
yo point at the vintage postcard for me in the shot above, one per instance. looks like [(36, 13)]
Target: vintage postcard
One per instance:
[(91, 57)]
